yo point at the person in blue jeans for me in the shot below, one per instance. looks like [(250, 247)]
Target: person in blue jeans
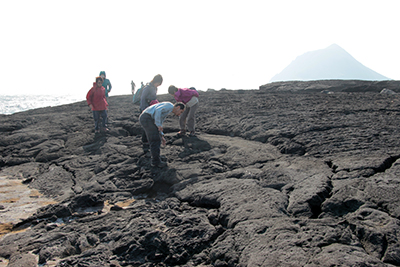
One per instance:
[(151, 120)]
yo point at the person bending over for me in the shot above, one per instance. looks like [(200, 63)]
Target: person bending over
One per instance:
[(151, 120), (190, 97)]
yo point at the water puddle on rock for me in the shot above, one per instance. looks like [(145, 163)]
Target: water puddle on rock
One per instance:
[(18, 202), (126, 203)]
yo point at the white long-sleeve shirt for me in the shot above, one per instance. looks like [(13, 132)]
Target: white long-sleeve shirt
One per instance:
[(159, 112)]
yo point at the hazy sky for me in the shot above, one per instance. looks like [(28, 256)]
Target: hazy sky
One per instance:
[(59, 47)]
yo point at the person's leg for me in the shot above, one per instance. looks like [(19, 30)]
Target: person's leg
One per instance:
[(153, 136), (107, 112), (144, 135), (182, 120), (155, 144), (96, 117), (104, 119), (191, 121), (145, 140)]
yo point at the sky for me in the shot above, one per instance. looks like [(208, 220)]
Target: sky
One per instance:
[(59, 47)]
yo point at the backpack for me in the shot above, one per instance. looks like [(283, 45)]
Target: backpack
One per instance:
[(137, 96)]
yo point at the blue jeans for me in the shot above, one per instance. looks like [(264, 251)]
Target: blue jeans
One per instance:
[(153, 135), (96, 116)]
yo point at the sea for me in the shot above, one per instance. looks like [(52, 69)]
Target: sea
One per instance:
[(10, 104)]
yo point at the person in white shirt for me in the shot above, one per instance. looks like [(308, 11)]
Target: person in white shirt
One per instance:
[(151, 120)]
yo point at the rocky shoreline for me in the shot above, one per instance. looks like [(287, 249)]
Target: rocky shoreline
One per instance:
[(280, 176)]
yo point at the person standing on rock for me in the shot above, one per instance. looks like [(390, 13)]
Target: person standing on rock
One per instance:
[(107, 85), (149, 97), (151, 120), (149, 94), (133, 85), (97, 101), (190, 97), (106, 82)]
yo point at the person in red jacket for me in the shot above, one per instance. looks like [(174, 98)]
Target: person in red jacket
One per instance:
[(97, 101)]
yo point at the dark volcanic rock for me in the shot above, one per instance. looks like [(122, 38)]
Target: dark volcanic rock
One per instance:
[(332, 86), (275, 177)]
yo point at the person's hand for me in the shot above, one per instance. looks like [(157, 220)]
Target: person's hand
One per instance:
[(160, 128), (163, 141), (91, 106)]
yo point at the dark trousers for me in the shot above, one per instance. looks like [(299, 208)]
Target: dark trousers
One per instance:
[(144, 136), (153, 135), (97, 114)]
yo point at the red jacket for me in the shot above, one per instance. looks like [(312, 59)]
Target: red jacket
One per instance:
[(97, 97)]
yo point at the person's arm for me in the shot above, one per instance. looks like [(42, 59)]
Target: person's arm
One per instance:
[(148, 95), (109, 90), (143, 99), (89, 98), (151, 95), (161, 113), (163, 141)]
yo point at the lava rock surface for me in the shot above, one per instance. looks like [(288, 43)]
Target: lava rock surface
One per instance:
[(279, 176)]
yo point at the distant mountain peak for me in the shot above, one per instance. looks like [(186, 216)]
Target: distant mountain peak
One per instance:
[(332, 62), (335, 46)]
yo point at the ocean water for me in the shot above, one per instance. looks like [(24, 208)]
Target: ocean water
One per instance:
[(10, 104)]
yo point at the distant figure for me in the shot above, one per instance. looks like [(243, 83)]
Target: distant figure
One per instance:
[(190, 97), (133, 87), (97, 101), (106, 82), (149, 97), (151, 120)]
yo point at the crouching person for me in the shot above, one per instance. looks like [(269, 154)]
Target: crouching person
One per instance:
[(151, 120)]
